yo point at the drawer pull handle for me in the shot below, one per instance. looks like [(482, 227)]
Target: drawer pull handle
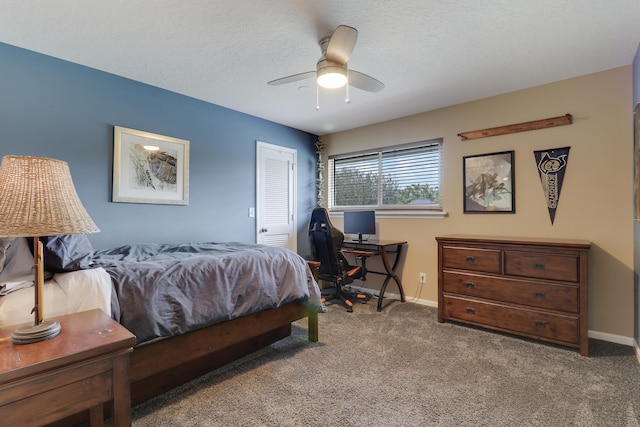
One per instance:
[(539, 295), (469, 285), (470, 259), (540, 324), (538, 266), (470, 310)]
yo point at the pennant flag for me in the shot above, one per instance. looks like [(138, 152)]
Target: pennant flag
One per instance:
[(551, 167)]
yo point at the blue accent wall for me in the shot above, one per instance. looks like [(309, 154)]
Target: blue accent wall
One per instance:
[(54, 108)]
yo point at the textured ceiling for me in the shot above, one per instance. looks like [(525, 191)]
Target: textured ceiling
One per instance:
[(429, 53)]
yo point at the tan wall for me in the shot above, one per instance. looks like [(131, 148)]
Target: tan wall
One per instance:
[(596, 199)]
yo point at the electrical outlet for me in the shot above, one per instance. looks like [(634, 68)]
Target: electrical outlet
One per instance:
[(423, 277)]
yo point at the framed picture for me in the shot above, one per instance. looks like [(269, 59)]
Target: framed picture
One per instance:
[(149, 168), (489, 185)]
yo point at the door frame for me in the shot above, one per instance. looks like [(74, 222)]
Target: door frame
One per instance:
[(294, 186)]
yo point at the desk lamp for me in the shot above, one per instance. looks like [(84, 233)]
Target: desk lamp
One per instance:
[(37, 198)]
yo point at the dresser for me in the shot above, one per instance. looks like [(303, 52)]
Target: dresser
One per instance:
[(536, 288)]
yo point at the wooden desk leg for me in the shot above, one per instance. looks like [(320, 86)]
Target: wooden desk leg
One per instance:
[(395, 276), (121, 414), (391, 274)]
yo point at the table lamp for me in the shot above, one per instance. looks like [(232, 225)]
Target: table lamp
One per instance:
[(37, 198)]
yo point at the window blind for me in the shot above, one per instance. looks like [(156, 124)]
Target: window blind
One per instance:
[(402, 177)]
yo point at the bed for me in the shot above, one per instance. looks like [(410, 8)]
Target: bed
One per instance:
[(193, 306)]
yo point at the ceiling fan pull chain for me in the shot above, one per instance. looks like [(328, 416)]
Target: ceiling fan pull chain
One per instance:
[(317, 97), (346, 99)]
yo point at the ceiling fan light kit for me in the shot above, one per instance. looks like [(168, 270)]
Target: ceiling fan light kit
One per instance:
[(332, 76)]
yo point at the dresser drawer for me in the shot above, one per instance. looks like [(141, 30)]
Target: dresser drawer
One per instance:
[(551, 266), (486, 260), (540, 295), (557, 328)]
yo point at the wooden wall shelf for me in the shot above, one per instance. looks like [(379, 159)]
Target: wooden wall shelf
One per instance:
[(520, 127)]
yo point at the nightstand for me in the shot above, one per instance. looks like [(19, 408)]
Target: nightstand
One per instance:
[(84, 367)]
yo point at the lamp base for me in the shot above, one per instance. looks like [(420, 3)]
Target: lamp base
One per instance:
[(35, 333)]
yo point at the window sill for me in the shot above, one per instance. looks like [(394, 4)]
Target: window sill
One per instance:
[(402, 213)]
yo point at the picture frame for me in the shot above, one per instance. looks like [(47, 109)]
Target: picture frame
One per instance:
[(149, 168), (489, 183), (636, 163)]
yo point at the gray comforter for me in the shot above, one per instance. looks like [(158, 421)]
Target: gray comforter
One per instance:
[(162, 290)]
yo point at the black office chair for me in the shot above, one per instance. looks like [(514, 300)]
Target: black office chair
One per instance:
[(326, 248)]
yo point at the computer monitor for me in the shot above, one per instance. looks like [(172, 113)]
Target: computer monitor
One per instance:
[(360, 222)]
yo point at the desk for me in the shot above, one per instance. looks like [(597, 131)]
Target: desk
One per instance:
[(314, 266), (82, 368), (382, 248)]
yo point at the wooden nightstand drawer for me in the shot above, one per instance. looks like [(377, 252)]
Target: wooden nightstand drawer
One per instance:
[(486, 260), (540, 295), (82, 387), (510, 319), (542, 265)]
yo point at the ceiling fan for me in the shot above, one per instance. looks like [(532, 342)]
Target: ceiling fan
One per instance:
[(331, 69)]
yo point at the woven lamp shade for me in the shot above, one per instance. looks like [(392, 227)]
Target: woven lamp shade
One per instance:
[(37, 198)]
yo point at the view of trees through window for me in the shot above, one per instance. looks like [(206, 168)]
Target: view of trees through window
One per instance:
[(397, 178)]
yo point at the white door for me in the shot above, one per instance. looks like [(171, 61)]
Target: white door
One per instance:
[(276, 189)]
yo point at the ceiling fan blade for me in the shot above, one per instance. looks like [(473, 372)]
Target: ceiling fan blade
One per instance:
[(341, 44), (292, 78), (364, 82)]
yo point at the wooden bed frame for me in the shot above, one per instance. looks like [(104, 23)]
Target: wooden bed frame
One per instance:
[(162, 365), (159, 366)]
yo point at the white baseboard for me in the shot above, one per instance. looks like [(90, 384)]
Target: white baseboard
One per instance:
[(397, 296), (617, 339), (421, 301)]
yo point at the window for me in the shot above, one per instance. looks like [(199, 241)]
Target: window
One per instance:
[(401, 177)]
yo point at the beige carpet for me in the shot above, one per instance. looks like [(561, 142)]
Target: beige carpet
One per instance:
[(402, 368)]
